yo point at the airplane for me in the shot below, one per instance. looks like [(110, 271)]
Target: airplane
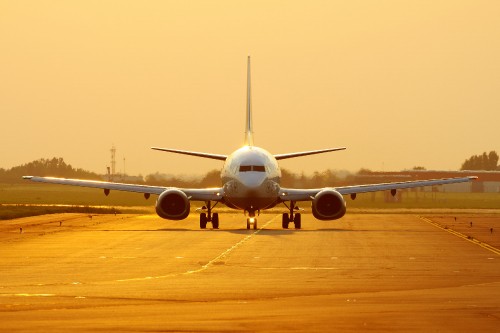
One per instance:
[(250, 180)]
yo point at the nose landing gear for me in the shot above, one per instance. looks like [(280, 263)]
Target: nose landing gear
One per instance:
[(251, 219)]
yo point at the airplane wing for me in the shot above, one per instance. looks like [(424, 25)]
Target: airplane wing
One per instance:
[(214, 194), (308, 194)]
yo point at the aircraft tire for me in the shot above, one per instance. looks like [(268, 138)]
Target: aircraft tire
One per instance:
[(297, 220), (255, 224), (248, 224), (203, 221), (215, 220), (285, 220)]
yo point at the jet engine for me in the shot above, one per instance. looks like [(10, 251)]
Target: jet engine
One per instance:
[(173, 204), (328, 205)]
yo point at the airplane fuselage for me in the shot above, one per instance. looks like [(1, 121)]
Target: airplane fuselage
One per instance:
[(251, 179)]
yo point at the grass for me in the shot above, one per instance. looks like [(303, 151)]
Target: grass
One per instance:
[(49, 194), (425, 200), (21, 200), (17, 211)]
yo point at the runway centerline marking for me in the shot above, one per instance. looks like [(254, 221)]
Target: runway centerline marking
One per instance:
[(458, 234), (208, 264)]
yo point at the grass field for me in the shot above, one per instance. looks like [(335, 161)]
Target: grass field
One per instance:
[(20, 200), (427, 200), (48, 194), (8, 212), (37, 195)]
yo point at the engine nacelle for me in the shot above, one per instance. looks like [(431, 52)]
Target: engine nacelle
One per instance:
[(173, 204), (328, 205)]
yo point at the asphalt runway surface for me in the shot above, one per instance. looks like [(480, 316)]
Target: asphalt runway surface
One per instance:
[(132, 273)]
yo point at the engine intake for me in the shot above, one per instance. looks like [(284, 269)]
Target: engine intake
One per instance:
[(328, 205), (173, 204)]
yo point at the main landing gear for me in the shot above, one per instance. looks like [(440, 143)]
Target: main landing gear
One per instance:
[(296, 218), (209, 217)]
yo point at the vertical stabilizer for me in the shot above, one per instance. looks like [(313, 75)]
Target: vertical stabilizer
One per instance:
[(249, 125)]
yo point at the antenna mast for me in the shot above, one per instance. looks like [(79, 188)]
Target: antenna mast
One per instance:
[(113, 160)]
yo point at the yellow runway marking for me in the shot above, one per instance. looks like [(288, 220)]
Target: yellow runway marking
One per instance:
[(458, 234), (208, 264), (300, 268), (147, 217)]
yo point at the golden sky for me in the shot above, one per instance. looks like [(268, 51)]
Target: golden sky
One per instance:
[(400, 83)]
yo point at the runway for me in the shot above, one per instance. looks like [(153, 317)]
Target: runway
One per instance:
[(139, 273)]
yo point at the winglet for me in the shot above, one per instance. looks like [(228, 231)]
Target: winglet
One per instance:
[(249, 125)]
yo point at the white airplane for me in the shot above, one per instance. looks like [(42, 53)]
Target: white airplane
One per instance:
[(250, 182)]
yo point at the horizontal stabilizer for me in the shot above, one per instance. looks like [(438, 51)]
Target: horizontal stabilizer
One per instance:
[(305, 153), (193, 153)]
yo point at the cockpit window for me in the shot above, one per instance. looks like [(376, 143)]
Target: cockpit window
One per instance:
[(258, 168)]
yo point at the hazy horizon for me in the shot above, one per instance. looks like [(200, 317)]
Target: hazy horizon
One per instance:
[(400, 84)]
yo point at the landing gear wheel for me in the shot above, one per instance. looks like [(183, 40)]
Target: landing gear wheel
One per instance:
[(248, 224), (297, 220), (215, 220), (285, 220), (203, 221)]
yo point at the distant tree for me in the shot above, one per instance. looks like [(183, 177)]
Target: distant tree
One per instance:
[(364, 171), (321, 179), (493, 160), (288, 178), (329, 178), (318, 179), (154, 179), (160, 179), (211, 179), (55, 167), (419, 168), (482, 162)]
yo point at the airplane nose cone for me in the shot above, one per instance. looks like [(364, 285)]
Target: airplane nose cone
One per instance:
[(254, 180)]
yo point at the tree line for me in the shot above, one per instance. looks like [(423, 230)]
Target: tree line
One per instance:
[(482, 162), (45, 167), (58, 168)]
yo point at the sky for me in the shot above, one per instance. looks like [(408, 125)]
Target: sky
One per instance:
[(399, 83)]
